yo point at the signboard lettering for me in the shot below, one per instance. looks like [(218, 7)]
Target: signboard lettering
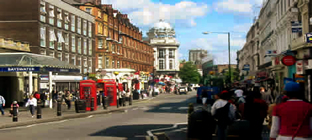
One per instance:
[(289, 60), (296, 26), (20, 69)]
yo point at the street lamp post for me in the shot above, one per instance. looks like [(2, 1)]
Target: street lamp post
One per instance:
[(229, 48)]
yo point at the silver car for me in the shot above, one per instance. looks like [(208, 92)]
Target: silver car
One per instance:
[(183, 90)]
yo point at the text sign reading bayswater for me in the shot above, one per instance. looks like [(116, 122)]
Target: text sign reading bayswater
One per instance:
[(19, 69)]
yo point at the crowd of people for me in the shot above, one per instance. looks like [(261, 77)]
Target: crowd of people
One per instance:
[(288, 116)]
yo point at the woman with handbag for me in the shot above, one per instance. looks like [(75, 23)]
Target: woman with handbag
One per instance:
[(292, 120)]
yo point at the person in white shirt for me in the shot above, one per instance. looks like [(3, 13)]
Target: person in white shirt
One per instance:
[(32, 103)]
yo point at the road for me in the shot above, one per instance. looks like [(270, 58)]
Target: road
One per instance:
[(133, 124)]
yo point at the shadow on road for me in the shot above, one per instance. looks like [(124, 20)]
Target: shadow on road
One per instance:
[(179, 107), (131, 132)]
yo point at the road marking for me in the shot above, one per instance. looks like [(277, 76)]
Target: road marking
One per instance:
[(149, 132), (183, 108), (135, 108), (90, 116), (165, 108), (32, 125)]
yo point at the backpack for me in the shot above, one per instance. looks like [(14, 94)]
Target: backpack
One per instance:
[(222, 115)]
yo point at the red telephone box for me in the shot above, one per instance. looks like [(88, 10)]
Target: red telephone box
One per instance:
[(110, 90), (87, 91)]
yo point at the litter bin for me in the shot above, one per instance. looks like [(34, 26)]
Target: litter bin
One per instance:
[(201, 125), (80, 106)]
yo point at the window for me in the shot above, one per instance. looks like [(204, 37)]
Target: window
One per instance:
[(100, 43), (118, 64), (171, 53), (59, 18), (113, 48), (107, 45), (161, 53), (51, 14), (161, 64), (120, 39), (100, 59), (66, 21), (73, 60), (113, 64), (90, 65), (59, 56), (85, 46), (90, 29), (171, 64), (43, 11), (73, 43), (99, 14), (79, 45), (52, 39), (73, 25), (60, 40), (118, 49), (66, 57), (66, 38), (88, 10), (43, 52), (90, 47), (79, 25), (43, 36), (79, 61), (100, 28), (85, 62), (106, 62), (84, 27), (51, 54)]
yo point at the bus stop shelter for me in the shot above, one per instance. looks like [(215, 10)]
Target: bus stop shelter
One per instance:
[(34, 63)]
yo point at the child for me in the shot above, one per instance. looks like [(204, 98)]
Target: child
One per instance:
[(11, 111)]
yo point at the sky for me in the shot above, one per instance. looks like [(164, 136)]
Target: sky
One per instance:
[(190, 18)]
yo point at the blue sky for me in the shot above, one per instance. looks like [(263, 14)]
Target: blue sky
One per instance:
[(192, 17)]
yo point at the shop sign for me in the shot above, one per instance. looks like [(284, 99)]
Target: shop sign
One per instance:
[(299, 67), (296, 26), (309, 37), (262, 74), (299, 78), (277, 60), (19, 69), (289, 60), (246, 67)]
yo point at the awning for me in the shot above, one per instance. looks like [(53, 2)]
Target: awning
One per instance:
[(22, 62)]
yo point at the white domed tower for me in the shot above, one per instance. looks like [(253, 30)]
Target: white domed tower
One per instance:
[(163, 39)]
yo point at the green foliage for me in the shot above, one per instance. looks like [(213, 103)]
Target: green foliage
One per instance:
[(234, 75), (189, 74)]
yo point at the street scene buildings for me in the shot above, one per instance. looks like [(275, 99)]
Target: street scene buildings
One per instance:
[(277, 46)]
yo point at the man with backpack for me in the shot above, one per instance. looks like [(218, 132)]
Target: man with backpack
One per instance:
[(224, 113), (2, 104)]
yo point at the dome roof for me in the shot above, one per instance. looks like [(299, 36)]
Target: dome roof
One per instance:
[(162, 25)]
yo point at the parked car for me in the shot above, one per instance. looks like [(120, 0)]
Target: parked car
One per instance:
[(183, 90)]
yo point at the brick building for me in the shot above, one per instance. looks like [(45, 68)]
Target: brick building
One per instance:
[(53, 28), (118, 43)]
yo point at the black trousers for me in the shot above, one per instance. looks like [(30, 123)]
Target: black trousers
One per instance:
[(68, 102)]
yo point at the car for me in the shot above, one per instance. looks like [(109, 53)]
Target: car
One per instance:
[(183, 90)]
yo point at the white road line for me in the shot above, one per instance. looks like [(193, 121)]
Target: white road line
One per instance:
[(149, 132), (90, 116), (183, 108), (135, 108), (28, 126), (165, 108)]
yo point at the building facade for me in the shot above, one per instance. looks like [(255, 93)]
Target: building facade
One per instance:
[(162, 37), (53, 28), (196, 56)]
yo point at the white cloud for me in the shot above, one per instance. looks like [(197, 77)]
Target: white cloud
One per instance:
[(246, 7), (223, 57), (242, 27), (146, 13)]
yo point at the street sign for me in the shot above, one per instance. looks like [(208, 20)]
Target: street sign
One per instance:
[(296, 26), (309, 37), (288, 60), (246, 67)]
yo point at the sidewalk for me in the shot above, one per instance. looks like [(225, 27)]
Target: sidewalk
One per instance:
[(49, 115)]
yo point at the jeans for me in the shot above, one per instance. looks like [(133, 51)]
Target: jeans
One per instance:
[(32, 109), (1, 109), (68, 102), (222, 132)]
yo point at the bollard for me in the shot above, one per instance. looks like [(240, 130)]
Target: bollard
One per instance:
[(14, 113), (38, 109), (130, 100), (92, 104), (104, 102), (59, 107), (124, 100), (190, 110), (118, 102)]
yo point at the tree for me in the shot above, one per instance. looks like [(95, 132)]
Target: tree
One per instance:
[(189, 73), (234, 75)]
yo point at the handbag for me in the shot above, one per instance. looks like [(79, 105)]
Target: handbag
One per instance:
[(299, 126)]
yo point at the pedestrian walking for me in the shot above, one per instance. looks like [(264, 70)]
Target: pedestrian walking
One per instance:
[(2, 104), (271, 107), (292, 120), (224, 113), (32, 103), (266, 96), (68, 98), (255, 111)]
